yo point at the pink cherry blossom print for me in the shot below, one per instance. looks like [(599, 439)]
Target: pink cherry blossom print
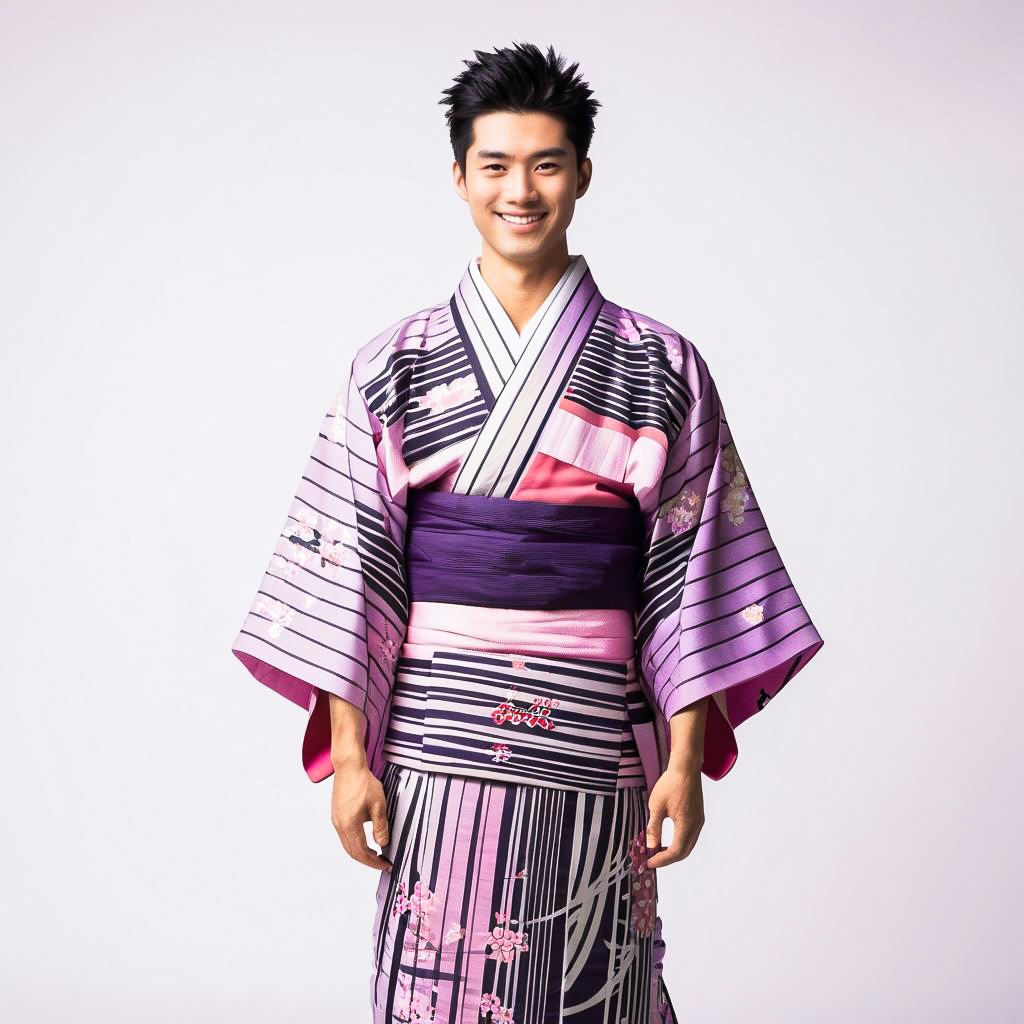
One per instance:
[(386, 648), (642, 913), (738, 496), (506, 942), (336, 430), (684, 511), (279, 614), (411, 1004), (753, 613), (281, 567), (451, 393), (490, 1007), (489, 1003), (305, 524)]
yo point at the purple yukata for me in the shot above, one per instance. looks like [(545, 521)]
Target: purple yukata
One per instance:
[(519, 554)]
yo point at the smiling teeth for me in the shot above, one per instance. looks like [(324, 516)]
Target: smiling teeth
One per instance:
[(512, 219)]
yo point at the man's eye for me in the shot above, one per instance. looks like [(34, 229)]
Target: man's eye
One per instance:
[(489, 166), (547, 164)]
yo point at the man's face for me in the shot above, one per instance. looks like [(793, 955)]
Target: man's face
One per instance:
[(521, 164)]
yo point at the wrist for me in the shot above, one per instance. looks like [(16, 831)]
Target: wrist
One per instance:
[(686, 763), (347, 754)]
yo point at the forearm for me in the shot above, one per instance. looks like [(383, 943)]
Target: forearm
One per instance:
[(348, 724), (687, 726)]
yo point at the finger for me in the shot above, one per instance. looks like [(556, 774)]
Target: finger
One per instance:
[(665, 857), (358, 850), (691, 837), (379, 814), (654, 825), (675, 849)]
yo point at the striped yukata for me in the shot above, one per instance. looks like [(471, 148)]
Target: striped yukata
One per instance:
[(519, 554)]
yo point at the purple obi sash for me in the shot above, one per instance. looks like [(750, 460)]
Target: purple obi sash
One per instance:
[(502, 553)]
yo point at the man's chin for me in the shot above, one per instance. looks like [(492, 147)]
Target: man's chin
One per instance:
[(520, 250)]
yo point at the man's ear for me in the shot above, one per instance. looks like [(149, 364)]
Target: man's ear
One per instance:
[(460, 180), (584, 175)]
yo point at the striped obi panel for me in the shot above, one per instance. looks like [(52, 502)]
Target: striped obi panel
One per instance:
[(496, 678)]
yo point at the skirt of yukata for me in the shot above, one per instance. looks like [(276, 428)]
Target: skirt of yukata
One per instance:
[(517, 804), (511, 903)]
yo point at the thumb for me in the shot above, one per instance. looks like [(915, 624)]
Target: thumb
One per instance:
[(378, 813)]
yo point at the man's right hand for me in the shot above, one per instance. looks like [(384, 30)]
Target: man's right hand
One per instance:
[(358, 797)]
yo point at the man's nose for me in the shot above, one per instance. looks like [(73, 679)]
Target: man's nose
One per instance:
[(521, 188)]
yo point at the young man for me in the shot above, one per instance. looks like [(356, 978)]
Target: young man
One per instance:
[(526, 593)]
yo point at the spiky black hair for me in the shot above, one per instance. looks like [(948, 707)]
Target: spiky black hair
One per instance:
[(520, 79)]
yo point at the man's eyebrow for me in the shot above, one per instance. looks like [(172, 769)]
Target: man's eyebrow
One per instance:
[(496, 154)]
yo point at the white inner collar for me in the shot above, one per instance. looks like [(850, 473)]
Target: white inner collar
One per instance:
[(555, 301)]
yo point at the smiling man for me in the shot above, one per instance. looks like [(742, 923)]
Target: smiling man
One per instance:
[(526, 594)]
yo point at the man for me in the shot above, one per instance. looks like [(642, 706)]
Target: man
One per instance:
[(527, 595)]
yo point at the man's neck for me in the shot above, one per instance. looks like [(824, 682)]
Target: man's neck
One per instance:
[(521, 288)]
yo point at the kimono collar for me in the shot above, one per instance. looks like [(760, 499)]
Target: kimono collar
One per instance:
[(519, 376), (484, 323)]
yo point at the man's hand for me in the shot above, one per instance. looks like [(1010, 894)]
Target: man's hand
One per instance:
[(358, 797), (677, 794)]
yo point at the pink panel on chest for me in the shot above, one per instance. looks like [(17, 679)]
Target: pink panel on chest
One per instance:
[(549, 479)]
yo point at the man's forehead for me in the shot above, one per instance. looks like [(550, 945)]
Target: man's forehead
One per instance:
[(499, 138)]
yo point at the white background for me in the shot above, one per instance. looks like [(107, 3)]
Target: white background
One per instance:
[(207, 207)]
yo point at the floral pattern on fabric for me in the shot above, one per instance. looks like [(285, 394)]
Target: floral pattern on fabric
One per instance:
[(490, 1006), (506, 942), (446, 396), (753, 613), (642, 892), (675, 354), (313, 540), (418, 906), (475, 930), (413, 1004), (683, 512), (738, 496), (386, 646)]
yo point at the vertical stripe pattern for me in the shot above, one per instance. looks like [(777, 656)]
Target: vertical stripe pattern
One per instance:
[(524, 904)]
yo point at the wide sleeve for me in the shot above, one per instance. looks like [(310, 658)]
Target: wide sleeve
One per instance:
[(718, 613), (331, 610)]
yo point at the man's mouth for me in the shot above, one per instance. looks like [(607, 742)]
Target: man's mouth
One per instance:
[(515, 218)]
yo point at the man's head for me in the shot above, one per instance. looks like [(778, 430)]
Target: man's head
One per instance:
[(521, 125)]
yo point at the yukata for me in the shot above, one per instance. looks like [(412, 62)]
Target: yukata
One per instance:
[(519, 554)]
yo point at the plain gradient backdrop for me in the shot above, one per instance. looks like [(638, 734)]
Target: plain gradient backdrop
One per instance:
[(207, 207)]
